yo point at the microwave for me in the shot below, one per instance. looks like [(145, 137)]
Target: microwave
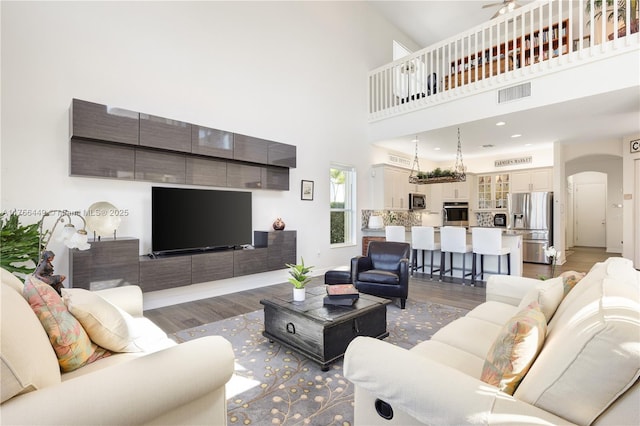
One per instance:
[(417, 201)]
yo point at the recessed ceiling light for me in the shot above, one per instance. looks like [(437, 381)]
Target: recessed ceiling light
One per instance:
[(436, 149), (528, 144), (500, 123), (517, 135)]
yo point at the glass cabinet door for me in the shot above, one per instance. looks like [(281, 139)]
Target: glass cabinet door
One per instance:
[(484, 192), (493, 191), (501, 191)]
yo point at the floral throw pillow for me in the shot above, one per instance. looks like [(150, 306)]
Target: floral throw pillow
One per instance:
[(515, 349), (570, 279), (69, 340)]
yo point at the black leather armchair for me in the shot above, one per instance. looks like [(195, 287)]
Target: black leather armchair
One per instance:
[(384, 271)]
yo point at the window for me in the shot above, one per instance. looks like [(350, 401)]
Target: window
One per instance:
[(342, 181)]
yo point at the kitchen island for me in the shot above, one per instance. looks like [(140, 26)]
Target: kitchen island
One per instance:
[(511, 239)]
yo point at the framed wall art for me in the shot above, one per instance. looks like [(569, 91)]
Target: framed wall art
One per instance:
[(306, 190)]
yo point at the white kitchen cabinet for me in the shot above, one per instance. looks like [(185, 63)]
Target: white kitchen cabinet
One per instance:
[(536, 180), (390, 187), (458, 191), (435, 204), (493, 191)]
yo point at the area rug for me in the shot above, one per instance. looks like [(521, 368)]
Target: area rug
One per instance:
[(274, 385)]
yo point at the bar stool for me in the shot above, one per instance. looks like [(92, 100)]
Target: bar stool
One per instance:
[(488, 241), (453, 239), (395, 233), (422, 239)]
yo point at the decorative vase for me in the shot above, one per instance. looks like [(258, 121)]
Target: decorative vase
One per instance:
[(278, 224), (299, 294)]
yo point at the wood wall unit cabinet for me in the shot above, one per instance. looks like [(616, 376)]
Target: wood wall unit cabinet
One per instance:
[(104, 123), (493, 191), (109, 263), (280, 154), (241, 175), (211, 142), (165, 133), (281, 247), (211, 266), (158, 166), (247, 262), (171, 151), (206, 171), (164, 272), (535, 180), (99, 159), (248, 148), (275, 178)]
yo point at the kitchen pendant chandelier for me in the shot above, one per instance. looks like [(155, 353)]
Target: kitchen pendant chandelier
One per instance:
[(458, 174)]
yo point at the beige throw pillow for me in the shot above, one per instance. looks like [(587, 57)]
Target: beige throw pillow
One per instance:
[(106, 324), (549, 293)]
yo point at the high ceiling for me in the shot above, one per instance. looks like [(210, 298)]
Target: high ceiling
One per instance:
[(602, 117)]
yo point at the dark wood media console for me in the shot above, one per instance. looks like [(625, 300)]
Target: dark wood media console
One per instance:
[(111, 263)]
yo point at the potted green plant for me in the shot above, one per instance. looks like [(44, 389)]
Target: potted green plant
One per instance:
[(19, 249), (299, 278)]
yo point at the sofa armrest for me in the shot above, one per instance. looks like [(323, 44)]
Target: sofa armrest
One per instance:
[(431, 392), (128, 298), (132, 392), (509, 289)]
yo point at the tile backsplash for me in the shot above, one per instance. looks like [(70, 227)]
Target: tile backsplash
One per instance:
[(484, 218), (392, 217)]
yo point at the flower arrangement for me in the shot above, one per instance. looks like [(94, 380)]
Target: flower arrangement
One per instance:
[(553, 254)]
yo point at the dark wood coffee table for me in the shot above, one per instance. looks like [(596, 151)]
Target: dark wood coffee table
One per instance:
[(322, 333)]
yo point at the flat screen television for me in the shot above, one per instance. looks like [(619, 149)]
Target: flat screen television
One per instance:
[(184, 220)]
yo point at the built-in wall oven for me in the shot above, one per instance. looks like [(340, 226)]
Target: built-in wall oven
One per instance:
[(455, 214)]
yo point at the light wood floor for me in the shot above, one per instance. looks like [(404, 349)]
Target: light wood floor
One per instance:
[(186, 315)]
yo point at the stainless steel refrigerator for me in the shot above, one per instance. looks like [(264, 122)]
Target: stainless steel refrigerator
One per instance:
[(532, 213)]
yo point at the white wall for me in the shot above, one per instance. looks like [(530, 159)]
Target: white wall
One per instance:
[(293, 72), (631, 201)]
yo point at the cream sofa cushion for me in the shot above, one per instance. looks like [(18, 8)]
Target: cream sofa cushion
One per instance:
[(549, 293), (494, 312), (450, 356), (471, 335), (28, 360), (591, 355)]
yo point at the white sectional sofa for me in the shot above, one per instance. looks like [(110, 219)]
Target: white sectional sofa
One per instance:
[(586, 371), (156, 382)]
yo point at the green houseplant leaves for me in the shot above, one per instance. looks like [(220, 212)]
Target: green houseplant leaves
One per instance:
[(18, 244), (299, 274)]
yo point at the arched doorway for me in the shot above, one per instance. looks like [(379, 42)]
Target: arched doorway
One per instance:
[(604, 169)]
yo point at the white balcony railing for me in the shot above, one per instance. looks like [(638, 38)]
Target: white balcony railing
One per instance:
[(538, 38)]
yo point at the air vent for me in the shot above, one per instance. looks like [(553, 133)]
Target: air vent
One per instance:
[(514, 92)]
